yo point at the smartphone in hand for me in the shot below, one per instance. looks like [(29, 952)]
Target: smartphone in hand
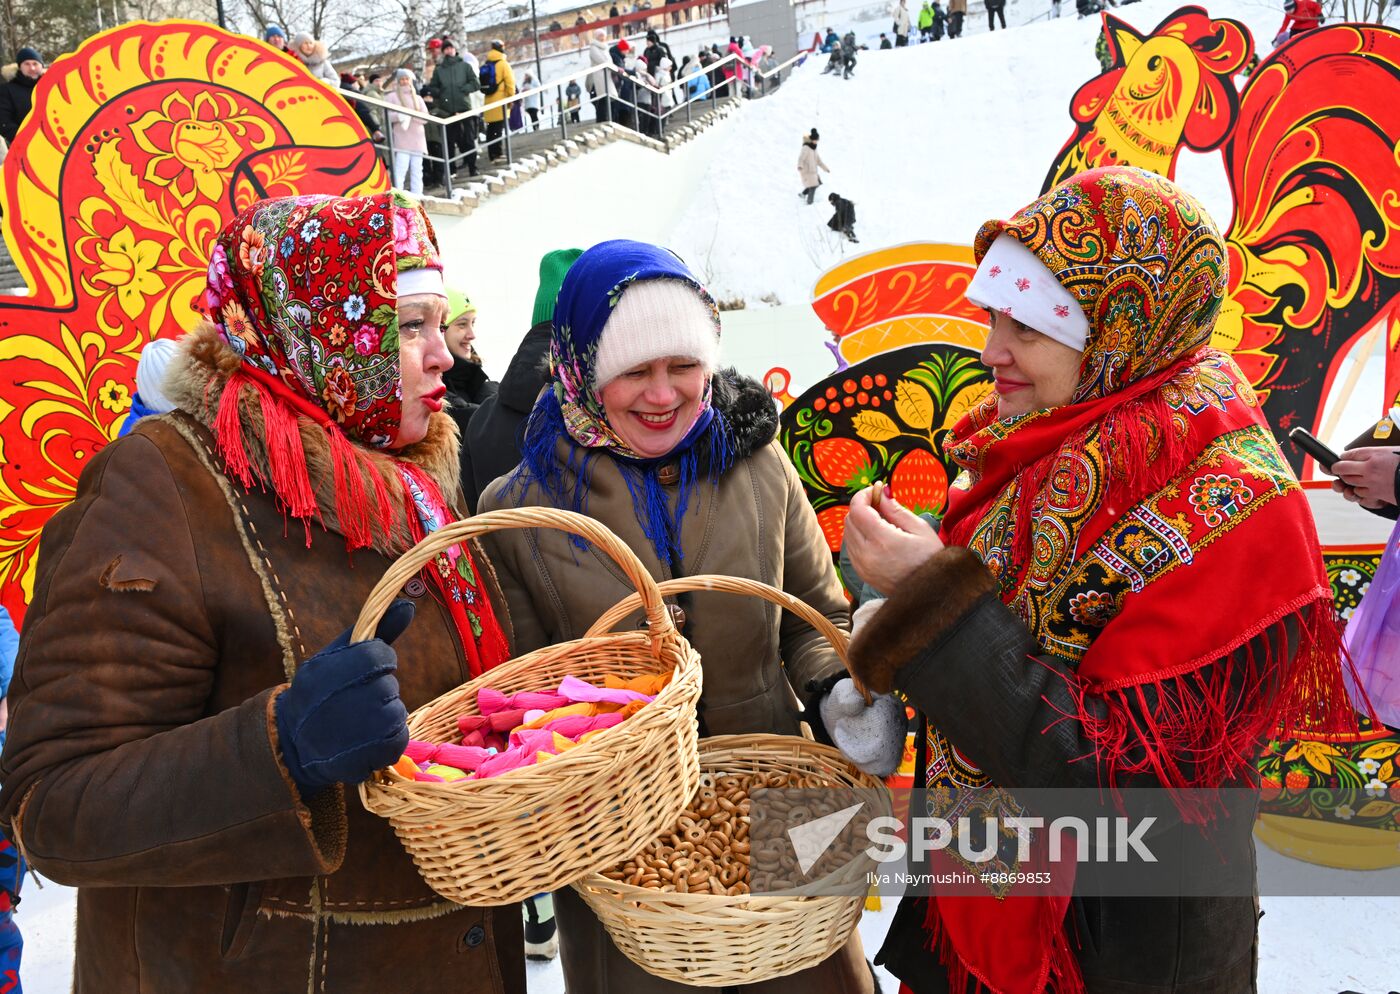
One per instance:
[(1310, 444)]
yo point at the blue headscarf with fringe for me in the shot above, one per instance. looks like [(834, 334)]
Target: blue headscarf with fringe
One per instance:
[(572, 408)]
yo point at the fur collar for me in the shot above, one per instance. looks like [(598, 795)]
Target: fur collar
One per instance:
[(195, 383), (749, 410)]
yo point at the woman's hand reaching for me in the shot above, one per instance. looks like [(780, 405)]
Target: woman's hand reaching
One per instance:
[(886, 541)]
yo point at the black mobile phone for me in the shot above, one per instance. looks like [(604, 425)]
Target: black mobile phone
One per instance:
[(1309, 443)]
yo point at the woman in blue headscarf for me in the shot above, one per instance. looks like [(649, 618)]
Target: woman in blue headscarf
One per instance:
[(639, 430)]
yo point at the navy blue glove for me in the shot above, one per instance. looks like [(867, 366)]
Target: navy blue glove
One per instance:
[(341, 719)]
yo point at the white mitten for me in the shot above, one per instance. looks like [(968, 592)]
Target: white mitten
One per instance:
[(871, 736), (862, 615)]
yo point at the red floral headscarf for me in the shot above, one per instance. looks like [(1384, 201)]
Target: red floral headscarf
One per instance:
[(306, 288)]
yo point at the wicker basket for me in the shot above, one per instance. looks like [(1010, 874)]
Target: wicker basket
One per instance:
[(707, 940), (500, 840)]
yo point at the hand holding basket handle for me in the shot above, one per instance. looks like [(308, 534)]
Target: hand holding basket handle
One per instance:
[(341, 719)]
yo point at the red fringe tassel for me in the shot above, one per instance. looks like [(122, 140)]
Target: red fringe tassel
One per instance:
[(1202, 728), (1062, 971)]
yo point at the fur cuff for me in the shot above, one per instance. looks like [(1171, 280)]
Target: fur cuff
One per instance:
[(927, 605)]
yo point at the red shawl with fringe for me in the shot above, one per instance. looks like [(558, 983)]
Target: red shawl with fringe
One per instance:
[(1158, 497)]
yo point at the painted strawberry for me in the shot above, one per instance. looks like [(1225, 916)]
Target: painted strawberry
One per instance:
[(842, 462), (833, 522), (920, 482), (1295, 780)]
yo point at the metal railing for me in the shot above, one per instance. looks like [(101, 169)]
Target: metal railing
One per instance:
[(648, 110)]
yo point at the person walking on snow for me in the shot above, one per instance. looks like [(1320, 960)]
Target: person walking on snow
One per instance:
[(925, 22), (901, 24), (996, 10), (957, 10), (808, 164)]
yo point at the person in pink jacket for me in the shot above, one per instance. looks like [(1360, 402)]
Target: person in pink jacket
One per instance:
[(410, 138)]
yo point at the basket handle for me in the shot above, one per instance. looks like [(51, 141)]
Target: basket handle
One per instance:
[(407, 566), (737, 585)]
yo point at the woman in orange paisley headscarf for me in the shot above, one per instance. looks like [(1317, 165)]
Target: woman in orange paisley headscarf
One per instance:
[(1095, 609)]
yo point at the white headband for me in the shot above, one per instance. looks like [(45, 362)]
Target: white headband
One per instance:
[(1011, 280), (413, 281)]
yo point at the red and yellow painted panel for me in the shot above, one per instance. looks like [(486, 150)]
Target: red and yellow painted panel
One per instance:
[(140, 146)]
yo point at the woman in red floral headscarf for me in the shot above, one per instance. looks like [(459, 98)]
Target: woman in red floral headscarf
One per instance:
[(186, 715), (1127, 591)]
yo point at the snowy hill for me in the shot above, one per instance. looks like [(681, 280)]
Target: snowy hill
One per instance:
[(928, 141)]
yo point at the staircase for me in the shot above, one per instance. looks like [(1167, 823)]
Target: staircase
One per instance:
[(534, 152)]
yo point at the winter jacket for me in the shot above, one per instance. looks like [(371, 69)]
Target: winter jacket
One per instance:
[(16, 100), (844, 217), (530, 101), (452, 86), (754, 522), (318, 64), (1300, 16), (925, 17), (957, 6), (9, 648), (601, 83), (808, 162), (978, 675), (832, 40), (143, 764), (505, 89), (655, 52), (493, 434), (468, 387), (410, 133), (901, 20)]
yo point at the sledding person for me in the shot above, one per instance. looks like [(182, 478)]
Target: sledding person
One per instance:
[(1064, 626), (808, 163), (186, 712), (843, 219), (679, 460)]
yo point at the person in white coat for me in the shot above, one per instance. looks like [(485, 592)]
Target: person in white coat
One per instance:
[(531, 102), (410, 136), (808, 164), (902, 24), (602, 85)]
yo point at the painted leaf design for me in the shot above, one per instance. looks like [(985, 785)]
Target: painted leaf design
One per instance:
[(914, 404), (874, 426), (1381, 750), (967, 398), (1374, 809), (1386, 772), (1316, 754)]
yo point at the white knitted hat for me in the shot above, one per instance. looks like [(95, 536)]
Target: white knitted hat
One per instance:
[(150, 374), (1011, 280), (655, 319)]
